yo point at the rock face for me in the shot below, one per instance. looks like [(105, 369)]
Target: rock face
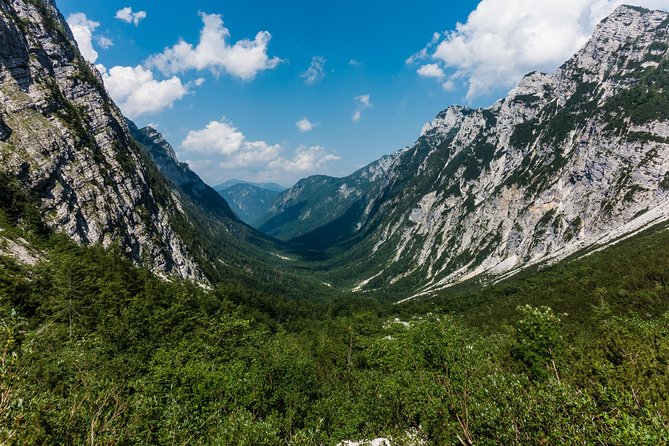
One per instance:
[(64, 138), (566, 161)]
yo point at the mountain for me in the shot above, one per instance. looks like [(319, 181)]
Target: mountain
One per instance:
[(179, 174), (224, 246), (98, 350), (249, 202), (568, 160), (98, 178), (65, 140), (269, 186)]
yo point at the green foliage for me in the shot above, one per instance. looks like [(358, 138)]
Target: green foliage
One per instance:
[(646, 101), (537, 338), (96, 350), (16, 207)]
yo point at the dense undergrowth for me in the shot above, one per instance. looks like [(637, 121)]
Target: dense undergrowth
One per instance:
[(97, 351)]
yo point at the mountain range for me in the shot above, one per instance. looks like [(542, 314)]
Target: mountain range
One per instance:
[(524, 246), (568, 161), (249, 201), (269, 186), (98, 178)]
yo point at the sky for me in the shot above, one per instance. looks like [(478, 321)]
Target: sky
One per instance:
[(271, 90)]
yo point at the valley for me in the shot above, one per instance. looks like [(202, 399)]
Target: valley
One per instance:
[(503, 280)]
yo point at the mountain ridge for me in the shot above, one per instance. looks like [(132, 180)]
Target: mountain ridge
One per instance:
[(248, 201), (67, 142), (269, 186), (99, 179), (559, 163)]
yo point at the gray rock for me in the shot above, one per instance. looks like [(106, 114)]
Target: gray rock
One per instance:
[(565, 161), (70, 144)]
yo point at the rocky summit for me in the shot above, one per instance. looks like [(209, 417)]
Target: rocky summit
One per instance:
[(568, 160)]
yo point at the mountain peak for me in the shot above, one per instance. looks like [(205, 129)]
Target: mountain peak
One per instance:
[(159, 140), (627, 22), (626, 10), (566, 161)]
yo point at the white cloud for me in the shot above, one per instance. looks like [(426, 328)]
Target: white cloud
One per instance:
[(82, 29), (244, 59), (449, 85), (137, 92), (354, 63), (316, 70), (128, 16), (235, 152), (217, 137), (304, 125), (431, 70), (199, 81), (504, 39), (305, 159), (364, 102), (104, 42), (425, 52)]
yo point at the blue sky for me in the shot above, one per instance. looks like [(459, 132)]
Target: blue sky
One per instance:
[(233, 96)]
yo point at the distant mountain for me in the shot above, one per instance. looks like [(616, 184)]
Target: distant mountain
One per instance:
[(566, 161), (249, 202), (269, 186)]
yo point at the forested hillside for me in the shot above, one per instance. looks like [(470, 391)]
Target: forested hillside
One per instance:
[(98, 351)]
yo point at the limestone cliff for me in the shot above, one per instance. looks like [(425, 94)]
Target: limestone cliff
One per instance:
[(566, 161), (64, 138)]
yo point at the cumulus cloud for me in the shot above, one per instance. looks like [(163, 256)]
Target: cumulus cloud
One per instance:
[(304, 159), (82, 29), (316, 70), (137, 92), (304, 125), (128, 16), (431, 70), (363, 103), (217, 137), (504, 39), (234, 151), (243, 59)]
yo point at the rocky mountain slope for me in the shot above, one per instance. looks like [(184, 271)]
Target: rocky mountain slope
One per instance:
[(64, 138), (248, 201), (566, 161), (187, 182), (223, 245), (96, 176)]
